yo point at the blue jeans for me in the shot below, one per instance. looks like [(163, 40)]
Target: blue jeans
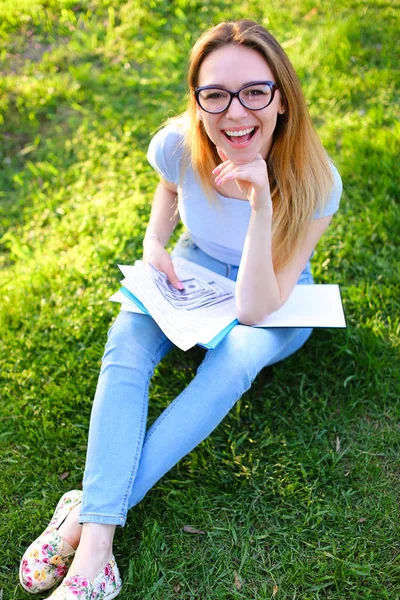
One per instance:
[(124, 461)]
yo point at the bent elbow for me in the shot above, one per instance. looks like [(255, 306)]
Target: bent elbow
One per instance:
[(244, 320), (246, 317)]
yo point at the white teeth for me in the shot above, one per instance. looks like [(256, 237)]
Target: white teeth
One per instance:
[(240, 132)]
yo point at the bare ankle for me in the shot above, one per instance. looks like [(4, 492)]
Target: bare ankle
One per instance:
[(98, 535), (94, 551), (70, 530)]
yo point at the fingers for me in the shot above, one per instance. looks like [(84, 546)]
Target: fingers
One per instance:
[(225, 161), (221, 172), (257, 163), (161, 260), (168, 269), (238, 174), (221, 166), (224, 170), (254, 173)]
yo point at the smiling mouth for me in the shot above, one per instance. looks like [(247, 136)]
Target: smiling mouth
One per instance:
[(240, 136)]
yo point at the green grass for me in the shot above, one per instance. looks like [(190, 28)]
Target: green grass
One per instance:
[(297, 490)]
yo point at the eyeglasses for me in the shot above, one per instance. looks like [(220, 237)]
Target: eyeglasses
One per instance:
[(254, 96)]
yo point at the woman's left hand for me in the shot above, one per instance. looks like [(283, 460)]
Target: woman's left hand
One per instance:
[(251, 179)]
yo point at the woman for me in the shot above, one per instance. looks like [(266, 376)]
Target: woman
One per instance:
[(256, 191)]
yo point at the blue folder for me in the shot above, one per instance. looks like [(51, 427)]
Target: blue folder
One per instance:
[(210, 345)]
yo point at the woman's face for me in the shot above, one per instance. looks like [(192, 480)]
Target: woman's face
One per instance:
[(231, 67)]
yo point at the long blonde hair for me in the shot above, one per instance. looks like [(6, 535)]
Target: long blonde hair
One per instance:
[(299, 172)]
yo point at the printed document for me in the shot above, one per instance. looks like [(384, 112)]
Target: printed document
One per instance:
[(188, 317)]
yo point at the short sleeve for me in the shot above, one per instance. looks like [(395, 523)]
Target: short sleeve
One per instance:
[(165, 153), (334, 199)]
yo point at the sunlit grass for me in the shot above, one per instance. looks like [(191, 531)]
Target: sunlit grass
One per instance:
[(296, 491)]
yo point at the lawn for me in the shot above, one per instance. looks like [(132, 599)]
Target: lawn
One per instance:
[(296, 492)]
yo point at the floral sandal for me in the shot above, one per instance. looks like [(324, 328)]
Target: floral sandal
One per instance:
[(105, 586), (47, 559)]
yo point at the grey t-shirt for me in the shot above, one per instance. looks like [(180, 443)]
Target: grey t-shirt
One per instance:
[(217, 228)]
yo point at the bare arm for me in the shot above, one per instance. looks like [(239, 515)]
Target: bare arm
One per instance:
[(163, 220), (260, 290), (163, 217)]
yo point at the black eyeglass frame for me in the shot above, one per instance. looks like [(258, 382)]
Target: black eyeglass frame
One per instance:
[(271, 84)]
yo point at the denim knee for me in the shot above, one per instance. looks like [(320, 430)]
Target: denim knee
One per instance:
[(249, 349), (136, 334)]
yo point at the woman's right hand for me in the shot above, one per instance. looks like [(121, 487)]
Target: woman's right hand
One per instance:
[(154, 253)]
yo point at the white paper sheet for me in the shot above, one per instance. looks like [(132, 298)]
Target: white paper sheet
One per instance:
[(126, 304), (315, 305)]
